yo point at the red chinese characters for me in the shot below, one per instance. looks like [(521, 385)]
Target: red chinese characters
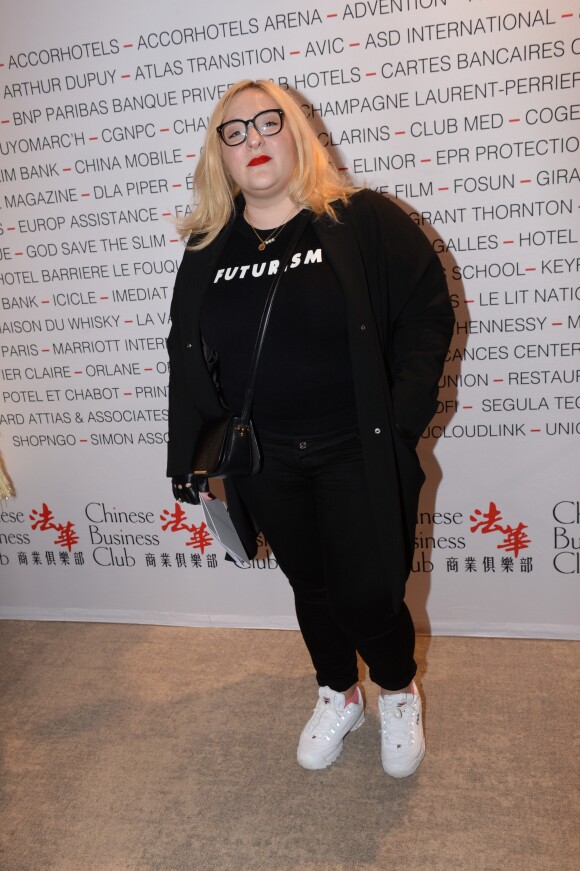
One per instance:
[(515, 537), (176, 521), (43, 520)]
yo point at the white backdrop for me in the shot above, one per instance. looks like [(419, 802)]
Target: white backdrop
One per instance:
[(465, 112)]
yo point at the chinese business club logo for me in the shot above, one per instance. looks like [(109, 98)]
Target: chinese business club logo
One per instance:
[(176, 521), (43, 521), (114, 546), (515, 538)]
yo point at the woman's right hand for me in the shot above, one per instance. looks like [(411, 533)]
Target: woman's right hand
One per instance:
[(186, 488)]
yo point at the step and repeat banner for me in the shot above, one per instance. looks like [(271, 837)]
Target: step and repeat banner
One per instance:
[(464, 111)]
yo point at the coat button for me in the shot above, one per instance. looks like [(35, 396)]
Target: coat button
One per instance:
[(363, 327), (188, 346), (377, 431)]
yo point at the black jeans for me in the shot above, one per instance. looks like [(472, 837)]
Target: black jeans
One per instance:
[(310, 501)]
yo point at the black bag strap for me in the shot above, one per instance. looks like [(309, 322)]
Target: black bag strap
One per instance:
[(303, 219)]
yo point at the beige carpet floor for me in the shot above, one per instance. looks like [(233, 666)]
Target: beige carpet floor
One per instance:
[(147, 748)]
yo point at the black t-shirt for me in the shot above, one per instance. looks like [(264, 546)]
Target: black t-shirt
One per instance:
[(304, 384)]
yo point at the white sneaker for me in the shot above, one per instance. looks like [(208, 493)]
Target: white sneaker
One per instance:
[(402, 740), (322, 737)]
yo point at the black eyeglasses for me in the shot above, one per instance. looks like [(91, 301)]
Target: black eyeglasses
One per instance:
[(266, 123)]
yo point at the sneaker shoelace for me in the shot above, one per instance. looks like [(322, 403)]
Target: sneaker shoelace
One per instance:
[(395, 722), (324, 716)]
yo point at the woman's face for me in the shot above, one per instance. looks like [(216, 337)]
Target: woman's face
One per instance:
[(262, 165)]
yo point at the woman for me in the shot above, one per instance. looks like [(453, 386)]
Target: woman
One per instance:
[(346, 384)]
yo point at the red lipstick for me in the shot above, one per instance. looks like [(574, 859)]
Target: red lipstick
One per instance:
[(256, 161)]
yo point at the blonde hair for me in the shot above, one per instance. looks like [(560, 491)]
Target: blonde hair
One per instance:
[(315, 182)]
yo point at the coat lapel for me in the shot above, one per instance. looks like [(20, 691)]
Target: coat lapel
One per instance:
[(343, 251), (195, 276), (372, 390)]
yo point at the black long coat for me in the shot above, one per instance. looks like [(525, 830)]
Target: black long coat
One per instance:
[(400, 323)]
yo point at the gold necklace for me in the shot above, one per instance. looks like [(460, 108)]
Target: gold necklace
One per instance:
[(273, 235)]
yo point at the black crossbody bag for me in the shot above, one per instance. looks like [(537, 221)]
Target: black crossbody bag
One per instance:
[(227, 446)]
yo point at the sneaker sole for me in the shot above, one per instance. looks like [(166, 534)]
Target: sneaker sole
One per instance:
[(324, 761)]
